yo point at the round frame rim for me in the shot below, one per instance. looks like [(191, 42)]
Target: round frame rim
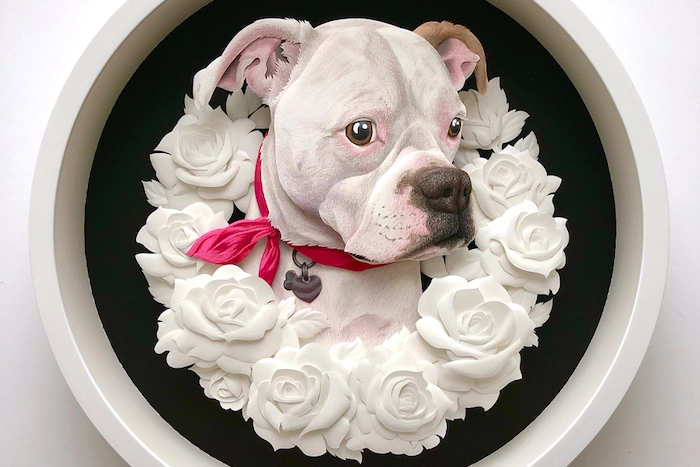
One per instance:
[(117, 408)]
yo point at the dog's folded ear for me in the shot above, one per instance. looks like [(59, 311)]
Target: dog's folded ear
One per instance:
[(263, 54), (461, 51)]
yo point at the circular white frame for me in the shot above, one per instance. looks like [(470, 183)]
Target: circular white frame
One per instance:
[(135, 429)]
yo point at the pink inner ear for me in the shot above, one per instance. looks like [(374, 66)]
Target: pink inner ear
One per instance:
[(255, 64), (459, 60)]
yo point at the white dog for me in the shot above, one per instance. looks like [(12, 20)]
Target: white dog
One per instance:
[(366, 120)]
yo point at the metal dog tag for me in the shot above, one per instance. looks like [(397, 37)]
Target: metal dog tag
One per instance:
[(305, 287)]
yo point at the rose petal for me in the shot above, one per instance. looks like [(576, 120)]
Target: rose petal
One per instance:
[(337, 402), (165, 169), (255, 328), (154, 264)]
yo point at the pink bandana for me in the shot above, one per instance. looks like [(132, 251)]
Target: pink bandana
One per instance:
[(232, 244)]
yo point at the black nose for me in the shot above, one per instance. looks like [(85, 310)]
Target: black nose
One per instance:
[(446, 189)]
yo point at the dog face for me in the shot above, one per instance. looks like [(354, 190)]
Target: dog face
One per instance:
[(366, 121)]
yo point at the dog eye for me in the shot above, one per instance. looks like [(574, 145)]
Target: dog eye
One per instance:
[(360, 132), (455, 128)]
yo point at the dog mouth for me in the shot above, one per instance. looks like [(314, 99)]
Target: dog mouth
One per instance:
[(423, 251), (438, 248), (453, 241), (439, 234), (364, 259)]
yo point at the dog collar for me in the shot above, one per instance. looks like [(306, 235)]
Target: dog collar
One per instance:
[(232, 244)]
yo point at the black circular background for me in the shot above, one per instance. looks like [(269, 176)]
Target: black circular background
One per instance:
[(152, 102)]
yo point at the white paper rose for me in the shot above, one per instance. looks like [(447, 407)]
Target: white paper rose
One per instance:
[(301, 398), (524, 248), (507, 178), (229, 319), (480, 331), (231, 390), (489, 123), (158, 195), (169, 234), (211, 155), (402, 409)]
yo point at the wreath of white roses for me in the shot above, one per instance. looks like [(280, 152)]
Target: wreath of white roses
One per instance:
[(477, 314)]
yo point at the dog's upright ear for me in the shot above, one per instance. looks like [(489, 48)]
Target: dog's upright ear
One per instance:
[(263, 54), (461, 51)]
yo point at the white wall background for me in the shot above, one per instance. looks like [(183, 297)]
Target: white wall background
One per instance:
[(658, 421)]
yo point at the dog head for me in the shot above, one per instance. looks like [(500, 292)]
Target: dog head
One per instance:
[(366, 120)]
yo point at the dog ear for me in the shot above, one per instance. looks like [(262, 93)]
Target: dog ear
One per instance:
[(461, 51), (263, 54)]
